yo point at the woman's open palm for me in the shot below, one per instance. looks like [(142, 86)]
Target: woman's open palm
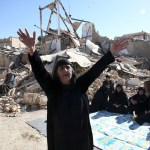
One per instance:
[(27, 40)]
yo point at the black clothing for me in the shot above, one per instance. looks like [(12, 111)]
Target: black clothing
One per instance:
[(147, 107), (68, 125), (119, 98), (4, 89), (139, 108), (10, 80), (98, 102), (145, 117), (8, 84), (100, 99), (107, 88)]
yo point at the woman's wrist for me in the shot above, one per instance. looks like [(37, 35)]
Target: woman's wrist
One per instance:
[(31, 50)]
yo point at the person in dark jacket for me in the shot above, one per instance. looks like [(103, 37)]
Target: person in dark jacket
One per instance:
[(68, 124), (108, 87), (147, 88), (145, 117), (102, 95), (9, 82), (118, 102), (137, 102)]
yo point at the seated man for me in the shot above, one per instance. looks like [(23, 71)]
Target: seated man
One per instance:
[(9, 82), (118, 102)]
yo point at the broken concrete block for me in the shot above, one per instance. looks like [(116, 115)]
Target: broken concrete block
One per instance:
[(34, 98), (35, 88), (134, 82), (43, 100)]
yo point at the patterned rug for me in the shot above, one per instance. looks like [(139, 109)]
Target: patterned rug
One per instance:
[(113, 131)]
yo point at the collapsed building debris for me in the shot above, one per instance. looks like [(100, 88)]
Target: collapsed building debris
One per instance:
[(125, 70), (9, 105), (35, 99), (27, 87), (128, 69)]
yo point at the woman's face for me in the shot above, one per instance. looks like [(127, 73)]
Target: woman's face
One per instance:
[(108, 79), (118, 89), (64, 74), (141, 92), (147, 86)]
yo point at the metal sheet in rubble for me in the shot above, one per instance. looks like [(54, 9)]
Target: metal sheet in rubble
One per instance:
[(130, 69), (74, 56), (51, 57), (78, 57), (90, 46)]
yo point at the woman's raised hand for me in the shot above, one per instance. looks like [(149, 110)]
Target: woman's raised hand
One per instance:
[(119, 45), (27, 40)]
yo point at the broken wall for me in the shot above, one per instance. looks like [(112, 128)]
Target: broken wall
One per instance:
[(17, 43), (12, 42), (89, 31), (97, 37), (139, 48), (4, 60)]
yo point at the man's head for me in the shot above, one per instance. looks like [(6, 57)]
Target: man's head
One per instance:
[(107, 77), (63, 71)]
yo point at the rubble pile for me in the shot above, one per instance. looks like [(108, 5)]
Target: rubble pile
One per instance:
[(8, 105), (129, 69), (35, 99), (93, 88), (125, 70)]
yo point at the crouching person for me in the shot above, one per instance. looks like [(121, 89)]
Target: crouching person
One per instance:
[(118, 102)]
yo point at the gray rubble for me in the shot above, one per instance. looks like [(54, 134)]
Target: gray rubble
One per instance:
[(131, 67), (28, 92)]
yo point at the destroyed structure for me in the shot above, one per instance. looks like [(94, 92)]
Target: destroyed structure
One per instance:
[(129, 68)]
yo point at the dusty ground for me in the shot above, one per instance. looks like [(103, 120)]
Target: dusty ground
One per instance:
[(15, 134)]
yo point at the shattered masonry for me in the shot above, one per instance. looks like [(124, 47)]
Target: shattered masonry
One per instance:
[(131, 68)]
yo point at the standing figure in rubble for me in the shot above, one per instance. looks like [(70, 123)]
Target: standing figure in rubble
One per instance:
[(118, 102), (102, 95), (68, 124), (9, 82), (146, 116), (108, 87)]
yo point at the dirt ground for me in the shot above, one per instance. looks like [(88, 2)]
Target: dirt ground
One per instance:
[(15, 134)]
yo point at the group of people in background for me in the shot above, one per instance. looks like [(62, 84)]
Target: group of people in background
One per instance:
[(114, 99)]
